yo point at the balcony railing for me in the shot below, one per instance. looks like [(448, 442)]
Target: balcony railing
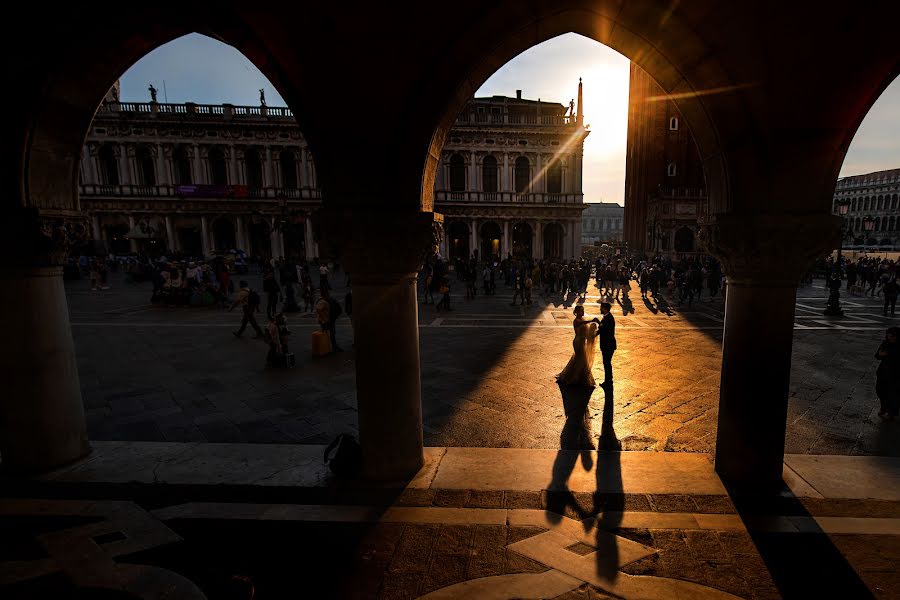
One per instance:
[(217, 111), (216, 192), (507, 197), (500, 119)]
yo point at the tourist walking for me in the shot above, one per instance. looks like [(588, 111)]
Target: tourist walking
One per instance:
[(248, 300), (890, 290)]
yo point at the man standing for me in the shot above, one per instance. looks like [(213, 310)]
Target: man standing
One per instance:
[(890, 289), (249, 300), (607, 342), (270, 287)]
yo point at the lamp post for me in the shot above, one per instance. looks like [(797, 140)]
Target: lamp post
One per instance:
[(868, 227), (833, 308)]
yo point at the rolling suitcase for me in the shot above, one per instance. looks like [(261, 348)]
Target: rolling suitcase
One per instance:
[(321, 343)]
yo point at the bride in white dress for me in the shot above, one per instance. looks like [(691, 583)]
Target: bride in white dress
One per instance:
[(579, 369)]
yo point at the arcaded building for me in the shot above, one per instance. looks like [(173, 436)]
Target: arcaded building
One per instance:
[(205, 178), (872, 196), (665, 193)]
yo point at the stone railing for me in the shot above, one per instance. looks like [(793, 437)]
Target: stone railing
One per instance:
[(508, 197), (505, 119), (216, 192), (212, 111)]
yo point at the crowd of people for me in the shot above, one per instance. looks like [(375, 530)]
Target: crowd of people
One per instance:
[(872, 276), (615, 276)]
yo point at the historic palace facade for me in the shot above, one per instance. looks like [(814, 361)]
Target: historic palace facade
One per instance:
[(875, 197), (204, 178), (665, 191)]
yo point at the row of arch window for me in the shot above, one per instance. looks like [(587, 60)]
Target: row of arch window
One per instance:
[(605, 224), (490, 175), (218, 168), (873, 203), (881, 224)]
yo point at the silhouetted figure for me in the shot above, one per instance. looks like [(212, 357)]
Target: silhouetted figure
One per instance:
[(887, 383), (607, 335)]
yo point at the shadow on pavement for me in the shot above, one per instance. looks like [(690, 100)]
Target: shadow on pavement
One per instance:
[(802, 565)]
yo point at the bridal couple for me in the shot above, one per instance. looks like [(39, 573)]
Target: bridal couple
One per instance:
[(587, 333)]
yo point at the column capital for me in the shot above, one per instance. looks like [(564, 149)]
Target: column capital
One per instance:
[(39, 238), (771, 250), (380, 244)]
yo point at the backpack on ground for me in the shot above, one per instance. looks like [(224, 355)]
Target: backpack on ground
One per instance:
[(346, 460)]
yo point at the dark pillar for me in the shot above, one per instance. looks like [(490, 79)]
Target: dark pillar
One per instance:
[(763, 258), (383, 254)]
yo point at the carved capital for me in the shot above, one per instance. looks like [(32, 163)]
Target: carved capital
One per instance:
[(378, 244), (769, 250), (33, 239)]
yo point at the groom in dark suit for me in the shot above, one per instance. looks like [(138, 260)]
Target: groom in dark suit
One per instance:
[(607, 335)]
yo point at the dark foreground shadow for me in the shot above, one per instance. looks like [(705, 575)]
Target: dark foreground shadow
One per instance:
[(607, 502), (802, 565)]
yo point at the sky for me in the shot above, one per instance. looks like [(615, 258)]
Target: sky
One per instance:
[(198, 69)]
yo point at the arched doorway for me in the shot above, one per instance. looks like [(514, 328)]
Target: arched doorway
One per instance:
[(458, 241), (294, 235), (684, 240), (109, 165), (116, 240), (521, 240), (457, 173), (554, 240), (218, 171), (490, 240), (190, 240), (260, 243), (224, 234)]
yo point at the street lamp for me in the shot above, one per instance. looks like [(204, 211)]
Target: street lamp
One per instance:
[(833, 308)]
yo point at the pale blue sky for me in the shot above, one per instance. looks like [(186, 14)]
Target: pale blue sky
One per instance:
[(196, 68)]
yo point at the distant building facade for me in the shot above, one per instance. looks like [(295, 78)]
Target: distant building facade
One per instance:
[(665, 191), (203, 178), (876, 196), (602, 222)]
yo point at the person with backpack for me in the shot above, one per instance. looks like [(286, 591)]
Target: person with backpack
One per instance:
[(334, 311), (249, 300)]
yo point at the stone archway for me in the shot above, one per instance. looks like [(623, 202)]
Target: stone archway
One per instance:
[(684, 240), (554, 241), (491, 234), (522, 239), (224, 234)]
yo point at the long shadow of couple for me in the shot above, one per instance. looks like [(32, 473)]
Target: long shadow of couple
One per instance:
[(608, 500)]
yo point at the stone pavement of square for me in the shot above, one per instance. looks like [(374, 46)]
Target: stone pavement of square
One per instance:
[(204, 520), (176, 374)]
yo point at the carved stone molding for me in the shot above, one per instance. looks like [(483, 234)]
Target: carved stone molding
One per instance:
[(378, 244), (35, 240), (769, 250)]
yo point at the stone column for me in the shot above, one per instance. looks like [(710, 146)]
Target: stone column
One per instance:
[(577, 239), (268, 178), (162, 171), (233, 171), (473, 238), (241, 235), (196, 165), (124, 165), (473, 172), (763, 258), (95, 227), (132, 243), (42, 423), (538, 250), (507, 248), (570, 237), (304, 170), (309, 238), (170, 234), (507, 185), (539, 186), (204, 234), (385, 330), (273, 240)]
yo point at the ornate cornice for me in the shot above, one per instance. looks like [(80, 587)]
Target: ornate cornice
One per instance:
[(769, 250)]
